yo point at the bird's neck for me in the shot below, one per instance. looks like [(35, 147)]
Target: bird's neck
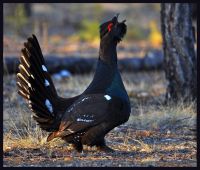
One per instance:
[(106, 68), (108, 52)]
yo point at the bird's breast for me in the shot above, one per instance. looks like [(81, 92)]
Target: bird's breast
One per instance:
[(116, 88)]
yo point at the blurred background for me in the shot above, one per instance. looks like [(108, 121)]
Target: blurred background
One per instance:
[(72, 29)]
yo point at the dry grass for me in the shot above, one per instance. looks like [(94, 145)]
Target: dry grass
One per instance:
[(155, 135), (165, 118)]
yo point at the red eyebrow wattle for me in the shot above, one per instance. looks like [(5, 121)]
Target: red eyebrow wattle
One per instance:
[(110, 26)]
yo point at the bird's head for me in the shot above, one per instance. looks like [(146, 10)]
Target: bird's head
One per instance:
[(113, 30)]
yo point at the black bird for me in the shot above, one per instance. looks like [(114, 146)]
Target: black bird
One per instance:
[(84, 119)]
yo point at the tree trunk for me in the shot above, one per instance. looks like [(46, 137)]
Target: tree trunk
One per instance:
[(27, 9), (179, 55)]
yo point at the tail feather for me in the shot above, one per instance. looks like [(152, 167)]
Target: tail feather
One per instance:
[(39, 70), (35, 103), (24, 71), (34, 68), (36, 86), (38, 47), (23, 60), (20, 86), (22, 80), (20, 92)]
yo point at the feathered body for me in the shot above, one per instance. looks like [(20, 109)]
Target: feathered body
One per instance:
[(84, 119)]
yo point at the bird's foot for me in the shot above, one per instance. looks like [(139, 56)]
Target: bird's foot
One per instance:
[(105, 149), (78, 148)]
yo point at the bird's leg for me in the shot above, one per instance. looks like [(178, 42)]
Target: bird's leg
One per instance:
[(101, 146), (78, 147)]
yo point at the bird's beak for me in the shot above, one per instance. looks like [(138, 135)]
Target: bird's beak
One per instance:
[(123, 21), (115, 18), (117, 15)]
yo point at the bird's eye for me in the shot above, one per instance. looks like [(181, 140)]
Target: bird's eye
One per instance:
[(110, 27)]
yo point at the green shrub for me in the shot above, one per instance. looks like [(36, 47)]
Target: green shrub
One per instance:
[(18, 20), (89, 30)]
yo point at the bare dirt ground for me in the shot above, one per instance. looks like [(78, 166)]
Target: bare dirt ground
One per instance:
[(155, 135)]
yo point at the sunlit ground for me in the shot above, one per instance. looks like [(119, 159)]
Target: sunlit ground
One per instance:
[(155, 135)]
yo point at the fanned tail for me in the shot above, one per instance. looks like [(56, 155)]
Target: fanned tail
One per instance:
[(36, 86)]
